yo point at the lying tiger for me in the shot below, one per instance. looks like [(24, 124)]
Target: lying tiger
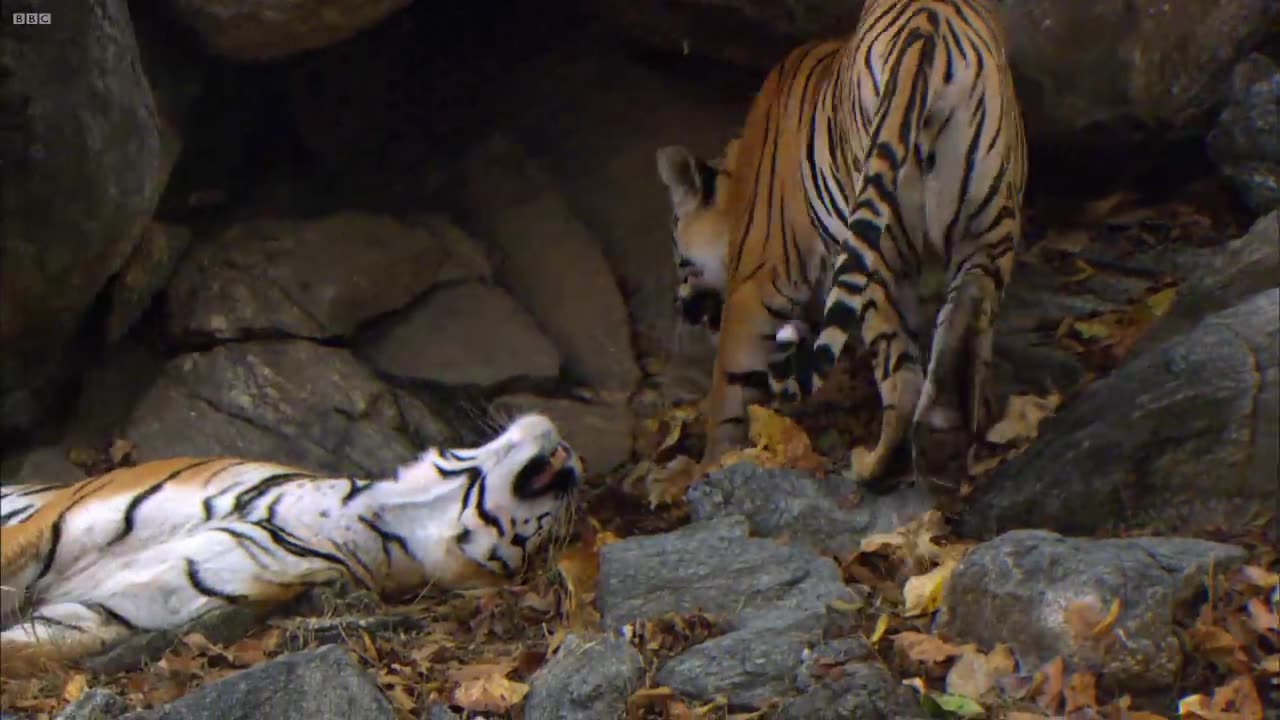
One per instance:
[(154, 546), (864, 165)]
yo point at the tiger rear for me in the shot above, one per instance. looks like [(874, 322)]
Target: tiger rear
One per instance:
[(863, 163)]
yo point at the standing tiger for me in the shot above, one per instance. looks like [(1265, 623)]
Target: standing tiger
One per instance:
[(863, 164), (154, 546)]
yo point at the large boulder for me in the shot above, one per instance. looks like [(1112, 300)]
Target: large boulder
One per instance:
[(1245, 141), (84, 167), (267, 29), (1079, 63), (1182, 437)]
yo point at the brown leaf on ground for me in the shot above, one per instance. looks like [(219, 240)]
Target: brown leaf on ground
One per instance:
[(1022, 417), (975, 673), (1049, 684), (927, 649), (1080, 692), (779, 442), (490, 693)]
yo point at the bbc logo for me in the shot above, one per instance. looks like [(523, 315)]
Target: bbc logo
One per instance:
[(33, 18)]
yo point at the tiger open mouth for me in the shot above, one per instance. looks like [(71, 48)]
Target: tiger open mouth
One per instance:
[(547, 473)]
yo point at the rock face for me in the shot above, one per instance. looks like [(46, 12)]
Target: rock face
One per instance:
[(1183, 436), (791, 505), (1079, 62), (1021, 588), (83, 133), (588, 678), (772, 598), (289, 401), (314, 278), (276, 28), (551, 265), (470, 334), (601, 434), (1245, 142), (320, 683)]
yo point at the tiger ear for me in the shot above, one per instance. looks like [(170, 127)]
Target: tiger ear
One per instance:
[(678, 169)]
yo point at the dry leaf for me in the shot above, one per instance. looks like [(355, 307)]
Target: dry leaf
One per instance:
[(493, 693), (76, 686), (1262, 617), (1022, 417), (1080, 692), (924, 648), (1259, 578), (667, 485), (779, 442), (1218, 646), (1051, 681), (882, 624), (923, 593)]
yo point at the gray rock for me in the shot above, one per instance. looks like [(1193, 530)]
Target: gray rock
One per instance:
[(1218, 278), (772, 599), (322, 683), (313, 278), (1162, 65), (1245, 142), (552, 265), (84, 168), (437, 711), (579, 109), (144, 275), (468, 335), (714, 568), (589, 678), (1018, 589), (601, 434), (95, 704), (1182, 437), (750, 666), (288, 401), (864, 690), (791, 505), (269, 30)]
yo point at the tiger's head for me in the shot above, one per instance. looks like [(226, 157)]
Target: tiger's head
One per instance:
[(700, 231), (514, 495)]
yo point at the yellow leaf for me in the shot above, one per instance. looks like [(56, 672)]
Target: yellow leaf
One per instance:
[(1159, 303), (1100, 328), (492, 693), (76, 685), (923, 593), (882, 624), (975, 673), (1109, 621), (1022, 417), (1257, 577)]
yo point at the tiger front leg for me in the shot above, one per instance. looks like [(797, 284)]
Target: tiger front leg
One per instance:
[(741, 376)]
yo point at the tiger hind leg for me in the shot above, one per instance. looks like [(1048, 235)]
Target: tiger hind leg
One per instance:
[(866, 299), (953, 408), (56, 633)]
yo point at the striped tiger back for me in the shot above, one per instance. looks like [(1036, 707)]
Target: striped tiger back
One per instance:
[(863, 164)]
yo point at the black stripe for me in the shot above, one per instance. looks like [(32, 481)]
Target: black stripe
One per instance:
[(121, 620), (199, 585), (486, 517), (355, 489), (388, 539), (131, 510), (291, 544), (244, 540), (248, 497), (55, 536), (54, 622)]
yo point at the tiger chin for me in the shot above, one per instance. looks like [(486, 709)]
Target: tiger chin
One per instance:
[(153, 547)]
